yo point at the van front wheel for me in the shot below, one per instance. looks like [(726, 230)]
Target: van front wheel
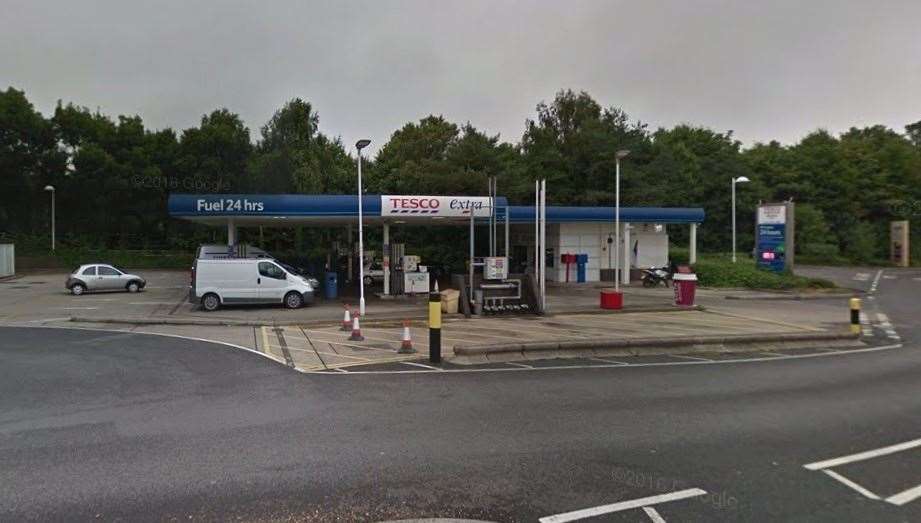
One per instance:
[(210, 302), (294, 300)]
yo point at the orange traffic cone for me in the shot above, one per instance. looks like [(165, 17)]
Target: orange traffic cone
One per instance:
[(406, 347), (356, 330), (346, 320)]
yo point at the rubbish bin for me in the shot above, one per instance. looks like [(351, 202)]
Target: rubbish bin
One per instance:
[(449, 299), (685, 287), (332, 286), (611, 299), (581, 262)]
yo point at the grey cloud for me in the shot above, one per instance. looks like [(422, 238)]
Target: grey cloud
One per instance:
[(764, 69)]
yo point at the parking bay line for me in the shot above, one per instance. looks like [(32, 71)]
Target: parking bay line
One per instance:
[(860, 456), (851, 484), (905, 496), (654, 515), (622, 506)]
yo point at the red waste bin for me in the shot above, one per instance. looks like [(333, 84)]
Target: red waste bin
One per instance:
[(611, 299), (685, 286)]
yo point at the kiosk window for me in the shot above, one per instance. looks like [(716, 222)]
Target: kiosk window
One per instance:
[(270, 270)]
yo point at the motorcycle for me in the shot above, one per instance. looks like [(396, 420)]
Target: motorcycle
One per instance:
[(653, 276)]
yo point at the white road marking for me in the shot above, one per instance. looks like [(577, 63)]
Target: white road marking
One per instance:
[(862, 276), (875, 283), (851, 484), (49, 319), (622, 506), (885, 324), (860, 456), (522, 365), (689, 357), (889, 277), (621, 365), (615, 362), (653, 515), (905, 496), (152, 303), (420, 365), (77, 308), (917, 279), (217, 342)]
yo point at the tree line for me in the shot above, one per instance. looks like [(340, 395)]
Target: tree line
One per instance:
[(113, 176)]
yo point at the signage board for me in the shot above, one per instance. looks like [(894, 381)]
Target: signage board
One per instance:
[(228, 204), (447, 206), (898, 243), (774, 236)]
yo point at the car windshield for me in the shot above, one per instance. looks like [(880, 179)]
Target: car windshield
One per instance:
[(290, 268)]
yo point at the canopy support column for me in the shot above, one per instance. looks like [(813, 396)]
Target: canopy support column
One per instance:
[(386, 259), (351, 251), (231, 232), (692, 248), (627, 251)]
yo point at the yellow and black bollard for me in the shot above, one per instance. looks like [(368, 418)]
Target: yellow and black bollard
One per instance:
[(855, 315), (435, 326)]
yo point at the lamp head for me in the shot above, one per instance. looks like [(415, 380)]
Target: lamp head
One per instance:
[(361, 144), (623, 153), (49, 188), (742, 179)]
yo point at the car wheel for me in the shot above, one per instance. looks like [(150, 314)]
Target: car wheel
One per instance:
[(294, 300), (77, 289), (210, 302), (368, 280), (133, 287)]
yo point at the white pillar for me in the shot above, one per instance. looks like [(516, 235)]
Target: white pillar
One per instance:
[(628, 251), (231, 232), (543, 246), (692, 248), (507, 255), (386, 259)]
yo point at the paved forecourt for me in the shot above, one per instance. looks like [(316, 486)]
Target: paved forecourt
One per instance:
[(312, 349)]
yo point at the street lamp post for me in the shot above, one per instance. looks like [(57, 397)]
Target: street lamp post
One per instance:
[(621, 154), (740, 179), (361, 144), (50, 188)]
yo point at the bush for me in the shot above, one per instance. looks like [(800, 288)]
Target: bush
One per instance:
[(721, 272), (127, 259)]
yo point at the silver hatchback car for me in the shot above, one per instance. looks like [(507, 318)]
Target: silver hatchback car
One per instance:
[(102, 277)]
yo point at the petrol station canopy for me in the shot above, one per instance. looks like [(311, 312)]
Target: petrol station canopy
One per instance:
[(284, 210)]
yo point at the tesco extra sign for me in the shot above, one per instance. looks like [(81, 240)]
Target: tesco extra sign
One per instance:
[(450, 206)]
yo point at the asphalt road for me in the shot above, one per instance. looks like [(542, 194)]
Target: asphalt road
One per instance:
[(100, 425)]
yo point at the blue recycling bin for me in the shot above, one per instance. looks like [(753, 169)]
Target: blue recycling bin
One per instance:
[(332, 286), (581, 262)]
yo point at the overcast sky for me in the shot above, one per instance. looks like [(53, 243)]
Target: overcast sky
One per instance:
[(767, 70)]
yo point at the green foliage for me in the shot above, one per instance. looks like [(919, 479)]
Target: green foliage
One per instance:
[(721, 272), (113, 175), (125, 259)]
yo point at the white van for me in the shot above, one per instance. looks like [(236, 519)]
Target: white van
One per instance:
[(247, 281)]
